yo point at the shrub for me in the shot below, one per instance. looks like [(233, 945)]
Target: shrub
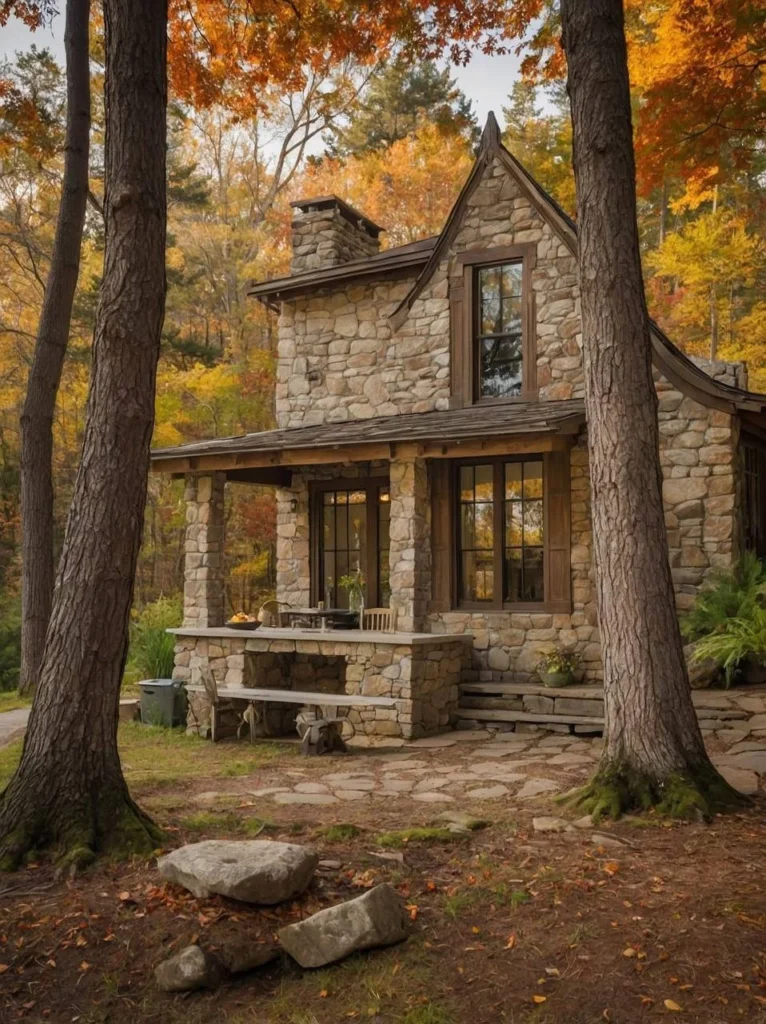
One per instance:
[(151, 648), (10, 642)]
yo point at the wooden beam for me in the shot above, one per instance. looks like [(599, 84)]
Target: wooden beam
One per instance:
[(513, 444), (277, 476)]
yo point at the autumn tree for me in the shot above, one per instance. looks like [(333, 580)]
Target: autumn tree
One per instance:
[(542, 142), (51, 343), (653, 749), (69, 790)]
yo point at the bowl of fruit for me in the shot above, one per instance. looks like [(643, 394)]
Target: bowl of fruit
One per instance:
[(243, 621)]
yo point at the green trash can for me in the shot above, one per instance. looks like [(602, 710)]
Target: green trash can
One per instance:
[(163, 702)]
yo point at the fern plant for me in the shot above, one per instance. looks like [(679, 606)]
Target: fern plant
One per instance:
[(741, 638), (730, 594)]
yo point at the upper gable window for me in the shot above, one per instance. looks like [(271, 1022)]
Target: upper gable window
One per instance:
[(492, 317), (499, 330)]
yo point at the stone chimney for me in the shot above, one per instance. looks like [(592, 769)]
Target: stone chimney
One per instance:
[(327, 232)]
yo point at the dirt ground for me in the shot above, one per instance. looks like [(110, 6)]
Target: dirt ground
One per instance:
[(510, 924)]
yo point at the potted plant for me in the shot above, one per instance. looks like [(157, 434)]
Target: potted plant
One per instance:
[(353, 584), (558, 667)]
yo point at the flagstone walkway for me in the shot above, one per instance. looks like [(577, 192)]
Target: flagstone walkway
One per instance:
[(464, 769)]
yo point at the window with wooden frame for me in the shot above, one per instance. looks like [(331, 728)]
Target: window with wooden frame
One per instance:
[(492, 324), (501, 533), (350, 533)]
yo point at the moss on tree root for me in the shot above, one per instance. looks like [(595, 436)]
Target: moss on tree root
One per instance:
[(121, 832), (618, 789)]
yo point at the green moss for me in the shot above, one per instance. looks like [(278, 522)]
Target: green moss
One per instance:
[(617, 789), (340, 833), (403, 836)]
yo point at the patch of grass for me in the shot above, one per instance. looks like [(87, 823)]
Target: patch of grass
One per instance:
[(9, 759), (469, 898), (156, 755), (11, 701), (339, 833), (210, 821), (404, 836)]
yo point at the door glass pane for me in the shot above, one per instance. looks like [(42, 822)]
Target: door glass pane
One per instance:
[(476, 532), (513, 569), (533, 479), (477, 576), (484, 483), (384, 519), (343, 547)]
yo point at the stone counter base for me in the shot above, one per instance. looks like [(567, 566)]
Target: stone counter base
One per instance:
[(422, 678)]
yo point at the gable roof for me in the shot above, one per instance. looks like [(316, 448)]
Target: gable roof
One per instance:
[(425, 256)]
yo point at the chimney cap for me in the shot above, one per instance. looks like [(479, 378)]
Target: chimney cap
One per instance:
[(344, 209)]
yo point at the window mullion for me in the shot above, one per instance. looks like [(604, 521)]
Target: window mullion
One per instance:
[(499, 535)]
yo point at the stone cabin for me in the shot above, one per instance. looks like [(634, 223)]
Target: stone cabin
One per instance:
[(431, 432)]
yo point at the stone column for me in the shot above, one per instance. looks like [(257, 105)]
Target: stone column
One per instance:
[(410, 551), (203, 562)]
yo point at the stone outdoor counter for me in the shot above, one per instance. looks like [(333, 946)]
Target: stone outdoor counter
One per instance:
[(421, 671)]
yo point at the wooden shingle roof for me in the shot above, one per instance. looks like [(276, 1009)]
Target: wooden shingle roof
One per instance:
[(450, 427)]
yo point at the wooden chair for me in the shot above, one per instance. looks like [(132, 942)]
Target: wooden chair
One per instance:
[(381, 620), (271, 614), (248, 719)]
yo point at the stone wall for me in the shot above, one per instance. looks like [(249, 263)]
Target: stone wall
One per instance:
[(698, 449), (410, 551), (422, 678)]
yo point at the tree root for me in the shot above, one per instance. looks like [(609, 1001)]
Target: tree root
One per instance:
[(122, 831), (618, 789)]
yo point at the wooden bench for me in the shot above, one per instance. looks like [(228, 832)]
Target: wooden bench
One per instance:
[(320, 733)]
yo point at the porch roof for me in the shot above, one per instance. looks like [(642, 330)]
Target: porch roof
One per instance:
[(480, 429)]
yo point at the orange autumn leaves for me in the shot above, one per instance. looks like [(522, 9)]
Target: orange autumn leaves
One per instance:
[(229, 51)]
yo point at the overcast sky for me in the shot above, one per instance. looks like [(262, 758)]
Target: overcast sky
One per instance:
[(486, 80)]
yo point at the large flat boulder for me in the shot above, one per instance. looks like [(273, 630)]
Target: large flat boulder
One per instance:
[(378, 918), (254, 871)]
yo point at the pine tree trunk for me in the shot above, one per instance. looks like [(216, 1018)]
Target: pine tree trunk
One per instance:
[(69, 792), (48, 359), (654, 753)]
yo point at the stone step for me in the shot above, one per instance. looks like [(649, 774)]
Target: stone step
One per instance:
[(497, 715), (532, 689), (551, 703)]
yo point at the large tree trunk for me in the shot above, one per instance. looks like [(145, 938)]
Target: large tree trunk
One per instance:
[(50, 347), (69, 791), (653, 753)]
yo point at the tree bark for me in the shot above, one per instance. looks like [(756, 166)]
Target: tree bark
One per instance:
[(653, 749), (69, 792), (50, 348)]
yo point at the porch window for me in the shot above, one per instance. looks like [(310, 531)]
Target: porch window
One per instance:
[(501, 533), (498, 330), (350, 530)]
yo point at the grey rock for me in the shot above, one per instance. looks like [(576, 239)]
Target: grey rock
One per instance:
[(239, 958), (467, 821), (585, 822), (550, 824), (601, 839), (188, 970), (254, 871), (754, 761), (378, 918), (536, 787), (744, 782)]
